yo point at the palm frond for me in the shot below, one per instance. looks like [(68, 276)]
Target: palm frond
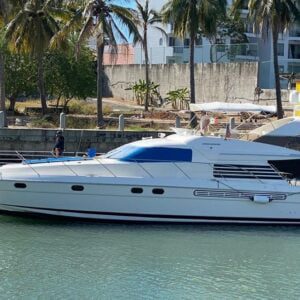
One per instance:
[(67, 29), (128, 19), (86, 32), (120, 36), (88, 9), (161, 30), (59, 13)]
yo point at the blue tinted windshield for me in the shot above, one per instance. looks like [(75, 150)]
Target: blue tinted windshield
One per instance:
[(150, 154)]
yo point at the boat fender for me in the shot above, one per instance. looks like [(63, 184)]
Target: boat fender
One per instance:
[(262, 199)]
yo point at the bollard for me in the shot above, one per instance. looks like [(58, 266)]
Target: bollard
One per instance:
[(62, 120), (177, 122), (121, 123), (2, 119), (232, 123)]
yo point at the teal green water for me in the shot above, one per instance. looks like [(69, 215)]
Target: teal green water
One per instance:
[(77, 260)]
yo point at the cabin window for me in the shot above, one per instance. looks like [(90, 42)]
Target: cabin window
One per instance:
[(150, 154), (77, 188), (137, 190), (158, 191), (20, 185)]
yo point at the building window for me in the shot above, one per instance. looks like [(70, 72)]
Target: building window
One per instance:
[(171, 41), (178, 49), (294, 30), (198, 41), (249, 26), (171, 61), (172, 26), (294, 67), (245, 4), (294, 50), (161, 41), (280, 49), (186, 43)]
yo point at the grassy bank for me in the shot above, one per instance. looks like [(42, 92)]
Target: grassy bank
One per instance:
[(83, 115)]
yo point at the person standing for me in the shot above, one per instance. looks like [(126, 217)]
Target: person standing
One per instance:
[(59, 146)]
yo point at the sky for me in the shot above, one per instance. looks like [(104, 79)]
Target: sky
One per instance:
[(130, 4)]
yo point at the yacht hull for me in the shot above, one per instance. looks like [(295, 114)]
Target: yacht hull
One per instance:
[(117, 202)]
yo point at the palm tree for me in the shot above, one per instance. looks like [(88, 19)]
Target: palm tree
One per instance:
[(4, 12), (188, 18), (103, 20), (275, 16), (30, 32), (148, 17)]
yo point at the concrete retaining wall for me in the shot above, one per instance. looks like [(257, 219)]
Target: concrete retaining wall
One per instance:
[(75, 140), (214, 82)]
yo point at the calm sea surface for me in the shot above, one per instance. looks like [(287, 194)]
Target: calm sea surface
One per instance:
[(42, 259)]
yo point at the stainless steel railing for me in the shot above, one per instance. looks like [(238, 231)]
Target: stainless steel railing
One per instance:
[(10, 156)]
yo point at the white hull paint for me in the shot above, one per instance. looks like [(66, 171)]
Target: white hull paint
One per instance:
[(116, 203)]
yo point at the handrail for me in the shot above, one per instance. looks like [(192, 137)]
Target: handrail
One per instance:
[(12, 156)]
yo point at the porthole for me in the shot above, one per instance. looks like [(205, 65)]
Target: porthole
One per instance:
[(136, 190), (158, 191), (77, 188), (20, 185)]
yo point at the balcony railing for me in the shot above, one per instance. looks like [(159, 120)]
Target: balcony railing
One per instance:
[(207, 53)]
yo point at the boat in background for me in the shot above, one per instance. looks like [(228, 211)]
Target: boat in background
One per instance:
[(284, 132)]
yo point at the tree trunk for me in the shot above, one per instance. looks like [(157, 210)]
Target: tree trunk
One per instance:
[(276, 73), (12, 103), (2, 87), (193, 119), (192, 68), (100, 51), (41, 84), (58, 101), (146, 70)]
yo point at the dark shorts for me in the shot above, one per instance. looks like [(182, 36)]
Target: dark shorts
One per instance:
[(60, 151)]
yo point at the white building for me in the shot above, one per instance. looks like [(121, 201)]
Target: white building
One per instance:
[(170, 49)]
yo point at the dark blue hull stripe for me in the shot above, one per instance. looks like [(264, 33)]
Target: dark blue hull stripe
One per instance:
[(158, 216)]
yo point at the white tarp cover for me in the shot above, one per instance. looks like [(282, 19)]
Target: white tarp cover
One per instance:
[(232, 107)]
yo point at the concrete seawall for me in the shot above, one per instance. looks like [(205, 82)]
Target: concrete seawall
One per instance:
[(214, 82), (75, 140)]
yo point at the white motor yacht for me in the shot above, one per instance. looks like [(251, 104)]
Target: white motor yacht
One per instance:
[(178, 178)]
